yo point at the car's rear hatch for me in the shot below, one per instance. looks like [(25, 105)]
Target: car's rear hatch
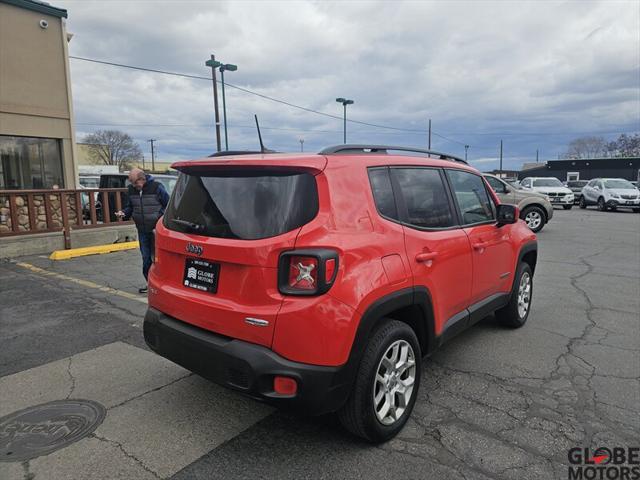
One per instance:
[(218, 245)]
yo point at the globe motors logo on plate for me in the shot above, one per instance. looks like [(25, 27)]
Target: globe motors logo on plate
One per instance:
[(616, 463)]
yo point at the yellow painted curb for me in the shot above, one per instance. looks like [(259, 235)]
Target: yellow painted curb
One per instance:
[(96, 250)]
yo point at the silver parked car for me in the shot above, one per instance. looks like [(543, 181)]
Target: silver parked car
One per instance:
[(610, 194)]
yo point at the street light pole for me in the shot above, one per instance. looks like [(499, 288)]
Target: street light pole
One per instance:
[(301, 144), (231, 68), (500, 158), (344, 102), (466, 147), (213, 64)]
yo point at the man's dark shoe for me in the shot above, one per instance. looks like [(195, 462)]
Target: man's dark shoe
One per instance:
[(143, 289)]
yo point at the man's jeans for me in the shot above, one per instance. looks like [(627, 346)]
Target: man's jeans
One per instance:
[(147, 248)]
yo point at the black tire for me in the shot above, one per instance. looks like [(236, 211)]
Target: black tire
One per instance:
[(533, 210), (358, 415), (511, 315), (583, 203), (601, 205), (567, 207), (636, 210)]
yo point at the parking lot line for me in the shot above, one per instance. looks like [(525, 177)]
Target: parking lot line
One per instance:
[(79, 281)]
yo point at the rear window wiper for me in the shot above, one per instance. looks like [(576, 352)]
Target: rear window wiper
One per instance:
[(196, 227)]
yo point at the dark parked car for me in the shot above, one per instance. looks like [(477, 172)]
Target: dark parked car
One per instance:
[(576, 187)]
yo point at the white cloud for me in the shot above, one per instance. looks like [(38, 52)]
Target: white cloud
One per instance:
[(531, 72)]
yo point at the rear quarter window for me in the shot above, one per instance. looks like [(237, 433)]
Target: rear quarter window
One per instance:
[(383, 192)]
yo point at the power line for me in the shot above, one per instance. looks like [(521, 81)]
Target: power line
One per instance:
[(267, 97), (209, 125)]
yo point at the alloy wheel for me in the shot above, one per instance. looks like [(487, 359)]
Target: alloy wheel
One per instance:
[(393, 386), (533, 219), (524, 294)]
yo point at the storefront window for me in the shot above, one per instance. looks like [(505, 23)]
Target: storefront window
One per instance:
[(27, 163)]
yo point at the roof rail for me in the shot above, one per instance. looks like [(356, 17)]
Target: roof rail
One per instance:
[(384, 150)]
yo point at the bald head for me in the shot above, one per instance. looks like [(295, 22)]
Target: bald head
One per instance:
[(137, 178)]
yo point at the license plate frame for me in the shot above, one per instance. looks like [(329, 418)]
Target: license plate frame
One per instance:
[(201, 275)]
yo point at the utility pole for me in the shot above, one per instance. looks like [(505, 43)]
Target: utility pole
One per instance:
[(429, 134), (536, 155), (500, 158), (153, 154), (143, 161), (213, 64), (301, 144), (466, 147)]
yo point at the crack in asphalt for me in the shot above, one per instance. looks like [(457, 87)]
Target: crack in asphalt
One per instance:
[(71, 377), (27, 475), (126, 454), (190, 374)]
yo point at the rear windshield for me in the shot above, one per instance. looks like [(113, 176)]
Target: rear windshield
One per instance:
[(243, 205)]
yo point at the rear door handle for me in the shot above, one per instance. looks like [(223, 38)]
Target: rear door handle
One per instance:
[(426, 257), (481, 245)]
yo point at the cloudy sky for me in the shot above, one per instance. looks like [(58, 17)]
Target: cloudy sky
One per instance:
[(535, 74)]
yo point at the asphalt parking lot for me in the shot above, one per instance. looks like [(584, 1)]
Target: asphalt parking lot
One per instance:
[(494, 403)]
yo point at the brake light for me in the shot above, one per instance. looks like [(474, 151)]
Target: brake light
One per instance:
[(307, 272), (303, 273)]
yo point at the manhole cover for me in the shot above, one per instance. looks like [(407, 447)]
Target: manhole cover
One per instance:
[(45, 428)]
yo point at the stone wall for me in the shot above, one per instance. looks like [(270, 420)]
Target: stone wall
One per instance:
[(39, 208)]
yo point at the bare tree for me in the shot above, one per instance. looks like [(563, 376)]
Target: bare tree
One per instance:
[(586, 147), (112, 147), (624, 146)]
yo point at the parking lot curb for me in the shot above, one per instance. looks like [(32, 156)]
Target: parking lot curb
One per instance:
[(95, 250)]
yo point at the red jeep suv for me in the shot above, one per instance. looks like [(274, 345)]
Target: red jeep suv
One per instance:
[(319, 282)]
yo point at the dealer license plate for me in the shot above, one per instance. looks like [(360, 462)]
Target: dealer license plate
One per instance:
[(201, 275)]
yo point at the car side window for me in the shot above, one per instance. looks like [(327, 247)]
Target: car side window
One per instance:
[(472, 197), (382, 192), (424, 197), (496, 184), (526, 182)]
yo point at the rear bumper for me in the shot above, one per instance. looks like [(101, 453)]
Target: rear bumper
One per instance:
[(246, 367)]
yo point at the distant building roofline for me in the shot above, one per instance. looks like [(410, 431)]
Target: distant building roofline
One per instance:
[(37, 6)]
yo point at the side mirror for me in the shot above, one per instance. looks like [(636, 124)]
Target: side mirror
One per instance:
[(507, 190), (507, 214)]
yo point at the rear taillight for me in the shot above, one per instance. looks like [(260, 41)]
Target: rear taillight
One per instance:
[(307, 272), (303, 273)]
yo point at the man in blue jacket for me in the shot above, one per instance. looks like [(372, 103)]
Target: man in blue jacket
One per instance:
[(146, 202)]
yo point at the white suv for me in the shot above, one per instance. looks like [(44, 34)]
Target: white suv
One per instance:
[(553, 188), (610, 193)]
